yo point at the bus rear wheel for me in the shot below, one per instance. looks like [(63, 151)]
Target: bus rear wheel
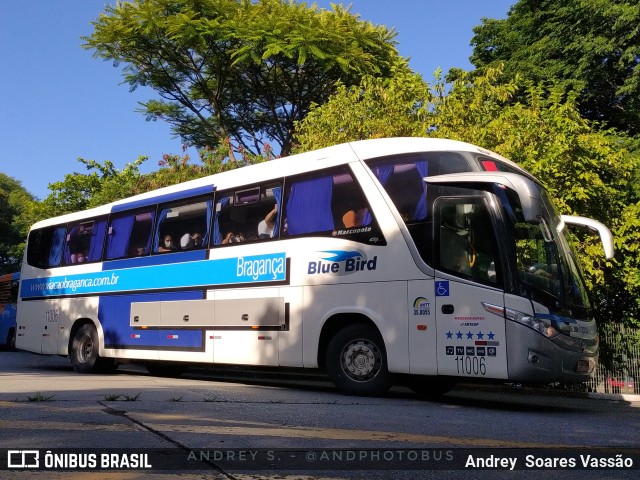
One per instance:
[(84, 352), (357, 361)]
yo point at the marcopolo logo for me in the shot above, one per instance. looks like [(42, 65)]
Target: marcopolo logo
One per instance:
[(340, 262)]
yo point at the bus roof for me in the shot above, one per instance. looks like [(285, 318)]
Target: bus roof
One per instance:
[(291, 165)]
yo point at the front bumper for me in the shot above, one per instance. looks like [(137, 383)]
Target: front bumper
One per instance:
[(534, 358)]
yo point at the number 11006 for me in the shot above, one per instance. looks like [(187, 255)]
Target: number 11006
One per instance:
[(471, 365)]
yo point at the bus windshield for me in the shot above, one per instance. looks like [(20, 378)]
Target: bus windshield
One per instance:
[(548, 270)]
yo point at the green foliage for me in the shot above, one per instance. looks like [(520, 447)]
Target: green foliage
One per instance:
[(626, 290), (378, 107), (38, 397), (178, 168), (238, 69), (592, 46), (79, 191), (16, 214), (132, 398), (105, 183), (580, 165)]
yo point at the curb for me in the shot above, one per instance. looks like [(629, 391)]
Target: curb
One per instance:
[(534, 390), (620, 397)]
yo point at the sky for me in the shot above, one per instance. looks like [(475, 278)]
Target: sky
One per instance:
[(60, 103)]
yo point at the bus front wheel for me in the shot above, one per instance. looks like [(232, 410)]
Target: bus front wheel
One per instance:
[(357, 361), (84, 352)]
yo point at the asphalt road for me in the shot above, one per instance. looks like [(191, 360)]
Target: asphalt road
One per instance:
[(288, 421)]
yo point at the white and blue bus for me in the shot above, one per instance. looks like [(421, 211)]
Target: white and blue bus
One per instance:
[(407, 260), (8, 302)]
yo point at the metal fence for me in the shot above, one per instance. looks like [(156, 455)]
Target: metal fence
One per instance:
[(622, 344)]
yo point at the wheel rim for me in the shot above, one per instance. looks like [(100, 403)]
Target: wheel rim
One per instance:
[(85, 350), (361, 360)]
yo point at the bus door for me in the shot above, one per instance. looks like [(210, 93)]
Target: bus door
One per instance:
[(471, 341)]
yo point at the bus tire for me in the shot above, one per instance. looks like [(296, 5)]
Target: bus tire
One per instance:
[(426, 386), (356, 361), (84, 352)]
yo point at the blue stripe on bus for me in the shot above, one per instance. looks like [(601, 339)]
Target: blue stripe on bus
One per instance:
[(177, 257), (114, 314), (169, 197), (202, 273)]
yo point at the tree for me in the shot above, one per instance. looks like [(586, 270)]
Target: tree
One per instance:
[(378, 107), (16, 206), (80, 191), (105, 183), (237, 69), (591, 46)]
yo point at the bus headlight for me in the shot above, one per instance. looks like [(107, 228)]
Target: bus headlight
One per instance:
[(540, 325), (552, 331)]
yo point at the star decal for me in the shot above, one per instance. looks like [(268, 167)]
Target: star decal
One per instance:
[(449, 335), (469, 335), (491, 335), (459, 335), (480, 335)]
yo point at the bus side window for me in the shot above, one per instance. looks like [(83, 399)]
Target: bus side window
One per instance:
[(186, 224), (34, 252), (309, 206), (329, 204), (402, 178), (46, 246), (84, 241), (129, 235), (248, 214)]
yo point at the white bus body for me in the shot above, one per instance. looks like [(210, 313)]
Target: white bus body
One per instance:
[(379, 294)]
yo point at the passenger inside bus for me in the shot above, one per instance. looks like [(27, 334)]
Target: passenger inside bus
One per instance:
[(190, 241), (266, 226), (167, 245), (354, 218), (231, 237), (78, 244)]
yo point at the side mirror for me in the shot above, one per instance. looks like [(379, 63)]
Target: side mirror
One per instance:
[(605, 234)]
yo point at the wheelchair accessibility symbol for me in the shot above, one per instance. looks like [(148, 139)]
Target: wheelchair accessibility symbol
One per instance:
[(442, 289)]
